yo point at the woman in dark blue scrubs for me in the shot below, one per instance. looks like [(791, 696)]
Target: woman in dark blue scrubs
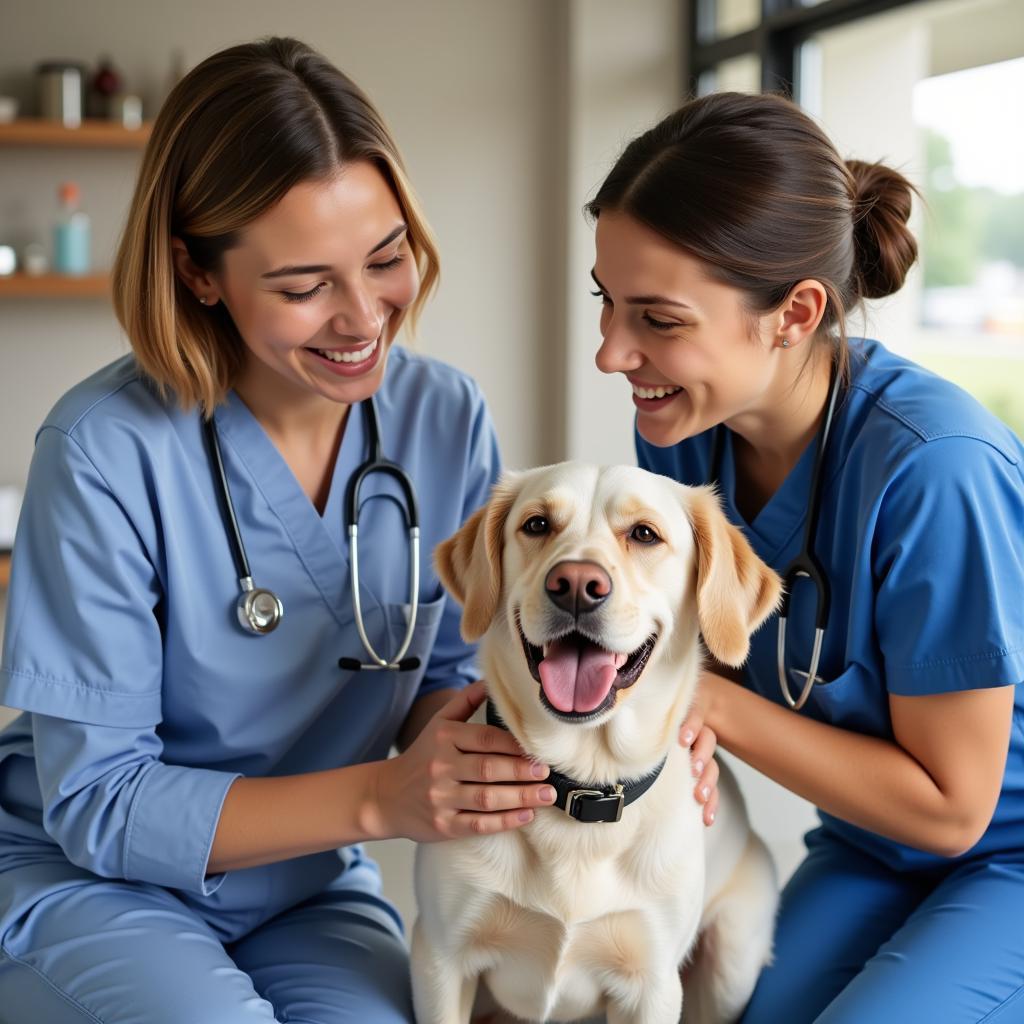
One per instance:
[(732, 240)]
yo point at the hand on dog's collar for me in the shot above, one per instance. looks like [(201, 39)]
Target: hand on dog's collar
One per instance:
[(588, 803)]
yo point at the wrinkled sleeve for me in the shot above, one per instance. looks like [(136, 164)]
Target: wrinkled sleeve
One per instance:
[(949, 569), (116, 809), (83, 653), (82, 639), (452, 661)]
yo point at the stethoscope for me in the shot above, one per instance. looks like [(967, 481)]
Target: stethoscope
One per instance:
[(260, 611), (806, 563)]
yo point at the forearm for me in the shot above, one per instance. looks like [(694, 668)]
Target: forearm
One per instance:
[(264, 820), (867, 781), (267, 820)]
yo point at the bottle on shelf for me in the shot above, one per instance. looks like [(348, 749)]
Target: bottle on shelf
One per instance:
[(71, 233), (105, 85)]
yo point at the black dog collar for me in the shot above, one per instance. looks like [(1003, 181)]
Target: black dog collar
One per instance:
[(589, 803)]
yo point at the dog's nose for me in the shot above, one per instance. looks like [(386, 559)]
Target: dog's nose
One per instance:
[(578, 587)]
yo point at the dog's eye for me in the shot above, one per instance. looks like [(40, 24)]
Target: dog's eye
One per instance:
[(535, 526), (643, 534)]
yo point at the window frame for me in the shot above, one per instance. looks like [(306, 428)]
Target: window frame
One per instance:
[(784, 26)]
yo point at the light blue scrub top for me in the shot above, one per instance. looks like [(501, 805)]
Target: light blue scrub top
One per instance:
[(922, 537), (146, 699)]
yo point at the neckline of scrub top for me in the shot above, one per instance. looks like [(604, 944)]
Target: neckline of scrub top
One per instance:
[(351, 455), (319, 541), (785, 511)]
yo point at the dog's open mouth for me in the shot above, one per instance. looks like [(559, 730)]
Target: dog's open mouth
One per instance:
[(579, 678)]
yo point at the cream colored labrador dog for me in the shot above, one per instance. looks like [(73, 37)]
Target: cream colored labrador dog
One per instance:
[(591, 589)]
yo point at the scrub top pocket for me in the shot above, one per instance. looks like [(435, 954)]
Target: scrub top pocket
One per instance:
[(854, 699), (407, 684)]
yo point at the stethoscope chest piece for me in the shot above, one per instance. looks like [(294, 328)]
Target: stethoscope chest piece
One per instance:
[(259, 611)]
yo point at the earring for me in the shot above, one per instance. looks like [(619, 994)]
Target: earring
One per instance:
[(785, 342), (203, 299)]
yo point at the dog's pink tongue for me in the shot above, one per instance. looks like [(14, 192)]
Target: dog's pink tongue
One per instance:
[(576, 679)]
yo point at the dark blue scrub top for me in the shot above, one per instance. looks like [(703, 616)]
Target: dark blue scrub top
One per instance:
[(922, 536)]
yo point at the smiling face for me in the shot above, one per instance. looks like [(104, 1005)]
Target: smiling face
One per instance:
[(683, 341), (591, 585), (598, 567), (317, 284)]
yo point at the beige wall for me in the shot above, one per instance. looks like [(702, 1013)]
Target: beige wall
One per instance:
[(507, 113), (624, 75), (466, 87)]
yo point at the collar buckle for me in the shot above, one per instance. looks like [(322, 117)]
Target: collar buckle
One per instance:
[(595, 805)]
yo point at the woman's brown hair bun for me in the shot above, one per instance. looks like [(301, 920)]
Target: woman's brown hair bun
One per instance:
[(752, 187), (885, 248)]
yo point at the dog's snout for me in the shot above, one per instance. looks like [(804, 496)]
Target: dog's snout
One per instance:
[(577, 587)]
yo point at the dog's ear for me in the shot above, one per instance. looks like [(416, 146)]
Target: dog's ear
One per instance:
[(736, 591), (469, 562)]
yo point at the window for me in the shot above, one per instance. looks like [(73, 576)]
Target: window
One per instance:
[(972, 242), (936, 90)]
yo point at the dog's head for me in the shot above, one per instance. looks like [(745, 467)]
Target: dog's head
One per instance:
[(596, 574)]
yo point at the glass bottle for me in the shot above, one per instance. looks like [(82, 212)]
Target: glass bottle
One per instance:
[(71, 233)]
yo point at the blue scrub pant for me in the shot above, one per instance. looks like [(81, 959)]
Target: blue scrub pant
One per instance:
[(111, 952), (857, 942)]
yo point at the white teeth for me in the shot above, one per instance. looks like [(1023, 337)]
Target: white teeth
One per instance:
[(658, 392), (620, 659), (350, 357)]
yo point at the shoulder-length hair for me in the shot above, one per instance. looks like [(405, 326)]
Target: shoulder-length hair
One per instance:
[(235, 134)]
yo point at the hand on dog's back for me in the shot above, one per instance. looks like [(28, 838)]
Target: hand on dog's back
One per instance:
[(458, 779)]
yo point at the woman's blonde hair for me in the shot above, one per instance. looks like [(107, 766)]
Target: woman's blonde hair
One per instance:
[(235, 134)]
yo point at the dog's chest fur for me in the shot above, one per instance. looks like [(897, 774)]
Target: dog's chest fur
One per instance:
[(542, 911)]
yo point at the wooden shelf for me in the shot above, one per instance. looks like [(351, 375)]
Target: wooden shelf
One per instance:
[(54, 286), (93, 134)]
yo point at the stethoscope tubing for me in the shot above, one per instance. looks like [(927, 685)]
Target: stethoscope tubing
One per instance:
[(227, 507), (376, 463), (395, 663), (260, 611), (806, 563)]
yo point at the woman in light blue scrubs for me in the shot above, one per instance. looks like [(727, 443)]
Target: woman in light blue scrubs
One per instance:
[(181, 801), (731, 242)]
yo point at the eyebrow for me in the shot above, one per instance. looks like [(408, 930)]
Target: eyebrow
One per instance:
[(644, 300), (322, 268)]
